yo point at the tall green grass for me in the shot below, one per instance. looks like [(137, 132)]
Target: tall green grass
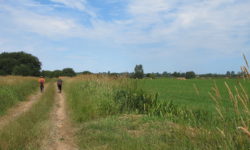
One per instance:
[(85, 99), (15, 89), (97, 105), (28, 131)]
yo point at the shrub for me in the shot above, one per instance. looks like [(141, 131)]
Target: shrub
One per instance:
[(190, 75), (135, 100)]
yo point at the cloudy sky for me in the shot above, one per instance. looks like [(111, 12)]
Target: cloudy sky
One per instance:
[(115, 35)]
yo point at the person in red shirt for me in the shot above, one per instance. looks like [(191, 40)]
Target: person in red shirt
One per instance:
[(41, 82)]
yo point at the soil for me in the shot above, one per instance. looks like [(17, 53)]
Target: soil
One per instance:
[(61, 134), (20, 108)]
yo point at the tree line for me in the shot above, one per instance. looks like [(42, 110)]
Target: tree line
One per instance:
[(139, 74), (21, 63)]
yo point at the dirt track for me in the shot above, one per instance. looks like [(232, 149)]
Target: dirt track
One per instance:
[(22, 107), (61, 134)]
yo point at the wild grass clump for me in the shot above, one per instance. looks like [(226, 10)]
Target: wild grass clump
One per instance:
[(131, 100), (15, 89), (135, 100)]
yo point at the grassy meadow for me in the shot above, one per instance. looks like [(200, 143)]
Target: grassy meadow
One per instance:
[(14, 89), (159, 114)]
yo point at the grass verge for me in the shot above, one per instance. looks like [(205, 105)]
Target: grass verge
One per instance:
[(14, 89), (26, 133)]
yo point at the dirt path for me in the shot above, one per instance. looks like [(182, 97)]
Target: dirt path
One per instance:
[(61, 134), (20, 108)]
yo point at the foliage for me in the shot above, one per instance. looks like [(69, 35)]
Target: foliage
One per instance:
[(51, 74), (13, 63), (151, 75), (68, 72), (190, 75), (86, 72), (22, 69), (139, 73), (135, 100), (56, 73)]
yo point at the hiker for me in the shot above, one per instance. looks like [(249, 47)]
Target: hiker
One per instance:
[(59, 85), (41, 81)]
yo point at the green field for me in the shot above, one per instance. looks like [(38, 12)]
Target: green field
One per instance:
[(158, 114), (184, 93)]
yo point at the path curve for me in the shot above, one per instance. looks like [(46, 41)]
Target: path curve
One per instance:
[(21, 107)]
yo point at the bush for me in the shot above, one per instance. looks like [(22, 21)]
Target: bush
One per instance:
[(68, 72), (190, 75), (135, 100)]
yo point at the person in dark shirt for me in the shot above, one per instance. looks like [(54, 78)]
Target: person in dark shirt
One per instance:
[(59, 85)]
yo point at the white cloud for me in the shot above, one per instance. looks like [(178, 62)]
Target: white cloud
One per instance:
[(212, 24), (147, 7), (76, 4), (219, 25)]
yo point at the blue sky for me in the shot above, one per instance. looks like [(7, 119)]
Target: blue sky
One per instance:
[(115, 35)]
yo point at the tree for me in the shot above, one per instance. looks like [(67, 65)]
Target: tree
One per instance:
[(11, 63), (232, 74), (228, 74), (139, 73), (23, 70), (57, 73), (151, 75), (190, 75), (165, 74), (47, 73), (176, 74), (68, 72), (7, 65), (2, 73), (87, 72)]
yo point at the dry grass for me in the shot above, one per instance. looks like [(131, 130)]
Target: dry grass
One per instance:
[(196, 89), (239, 99), (11, 80)]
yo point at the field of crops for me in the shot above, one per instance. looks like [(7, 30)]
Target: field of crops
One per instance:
[(194, 93), (159, 114)]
